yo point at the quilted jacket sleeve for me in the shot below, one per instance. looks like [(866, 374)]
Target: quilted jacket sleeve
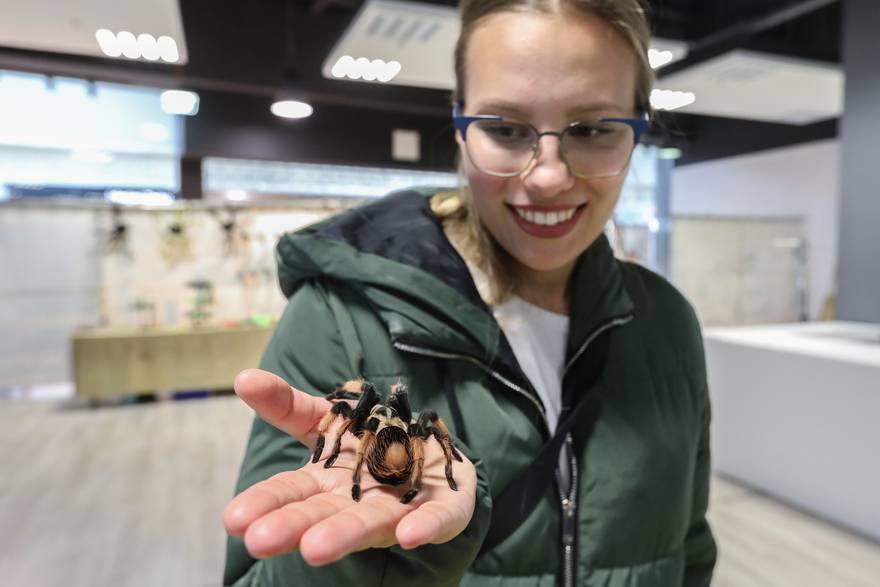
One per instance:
[(700, 549), (309, 352)]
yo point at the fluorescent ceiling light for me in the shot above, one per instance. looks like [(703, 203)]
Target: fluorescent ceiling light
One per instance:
[(291, 109), (760, 86), (66, 26), (109, 43), (400, 43), (179, 102), (168, 49), (148, 46), (365, 69), (143, 46), (670, 99), (128, 43)]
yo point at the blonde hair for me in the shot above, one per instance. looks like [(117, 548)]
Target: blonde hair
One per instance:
[(456, 208)]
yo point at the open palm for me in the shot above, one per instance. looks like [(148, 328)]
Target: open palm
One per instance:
[(311, 508)]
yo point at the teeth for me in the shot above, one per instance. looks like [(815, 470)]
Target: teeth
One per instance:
[(546, 218)]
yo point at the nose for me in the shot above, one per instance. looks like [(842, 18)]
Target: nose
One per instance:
[(547, 175)]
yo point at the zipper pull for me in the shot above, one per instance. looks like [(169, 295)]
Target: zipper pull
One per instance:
[(569, 524)]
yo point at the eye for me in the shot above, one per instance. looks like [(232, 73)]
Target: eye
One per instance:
[(506, 132), (587, 130)]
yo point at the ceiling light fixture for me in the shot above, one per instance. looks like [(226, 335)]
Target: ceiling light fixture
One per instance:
[(143, 46), (291, 109), (365, 69), (671, 100), (148, 46), (179, 102), (659, 58)]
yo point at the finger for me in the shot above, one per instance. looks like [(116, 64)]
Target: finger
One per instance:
[(434, 522), (281, 530), (287, 408), (369, 523), (267, 496)]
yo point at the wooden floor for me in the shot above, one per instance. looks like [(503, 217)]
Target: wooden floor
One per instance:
[(132, 495)]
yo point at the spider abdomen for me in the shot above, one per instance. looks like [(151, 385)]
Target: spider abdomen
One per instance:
[(391, 460)]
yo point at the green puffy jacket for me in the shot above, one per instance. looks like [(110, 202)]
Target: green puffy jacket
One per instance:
[(379, 291)]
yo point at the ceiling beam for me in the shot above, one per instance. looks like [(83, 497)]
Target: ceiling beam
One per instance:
[(736, 35)]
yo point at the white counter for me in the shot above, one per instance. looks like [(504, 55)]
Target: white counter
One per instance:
[(796, 413)]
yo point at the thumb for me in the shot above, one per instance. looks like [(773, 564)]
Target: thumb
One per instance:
[(290, 410)]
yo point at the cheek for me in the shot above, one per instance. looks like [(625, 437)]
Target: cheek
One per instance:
[(488, 191)]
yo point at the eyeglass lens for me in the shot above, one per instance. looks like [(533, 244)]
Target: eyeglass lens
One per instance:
[(592, 149)]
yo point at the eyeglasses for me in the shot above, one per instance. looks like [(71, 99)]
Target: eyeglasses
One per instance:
[(591, 149)]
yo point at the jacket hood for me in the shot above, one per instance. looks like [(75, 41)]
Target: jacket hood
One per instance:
[(395, 253)]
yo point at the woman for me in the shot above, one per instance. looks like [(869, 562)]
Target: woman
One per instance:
[(503, 309)]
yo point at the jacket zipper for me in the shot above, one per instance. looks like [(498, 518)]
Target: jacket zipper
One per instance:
[(406, 347), (569, 519), (569, 503)]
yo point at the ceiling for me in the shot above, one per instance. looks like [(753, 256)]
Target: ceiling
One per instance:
[(243, 54)]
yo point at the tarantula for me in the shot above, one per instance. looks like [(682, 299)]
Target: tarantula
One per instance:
[(391, 442)]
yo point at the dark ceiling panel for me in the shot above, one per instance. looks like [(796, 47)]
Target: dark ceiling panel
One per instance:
[(244, 53)]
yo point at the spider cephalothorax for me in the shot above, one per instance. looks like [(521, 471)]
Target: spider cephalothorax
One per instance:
[(391, 442)]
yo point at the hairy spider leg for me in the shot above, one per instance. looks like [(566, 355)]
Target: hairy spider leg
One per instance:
[(418, 449), (399, 400), (338, 408), (363, 448), (351, 389), (337, 445), (429, 423), (355, 418)]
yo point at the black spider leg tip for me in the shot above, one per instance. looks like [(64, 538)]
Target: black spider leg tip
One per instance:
[(409, 495), (346, 411), (431, 423), (339, 408), (447, 450)]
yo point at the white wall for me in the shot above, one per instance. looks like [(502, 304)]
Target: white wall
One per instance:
[(795, 181)]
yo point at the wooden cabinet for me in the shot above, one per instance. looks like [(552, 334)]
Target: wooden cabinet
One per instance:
[(117, 361)]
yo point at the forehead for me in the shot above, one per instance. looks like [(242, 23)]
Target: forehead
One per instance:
[(564, 61)]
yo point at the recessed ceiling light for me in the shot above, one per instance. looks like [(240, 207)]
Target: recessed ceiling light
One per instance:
[(179, 102), (659, 58), (291, 109), (671, 100)]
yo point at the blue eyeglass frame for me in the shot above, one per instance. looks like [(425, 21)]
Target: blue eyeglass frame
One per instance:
[(461, 123)]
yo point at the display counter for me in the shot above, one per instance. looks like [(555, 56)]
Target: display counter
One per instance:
[(119, 361), (796, 414)]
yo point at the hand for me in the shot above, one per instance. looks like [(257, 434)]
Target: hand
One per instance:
[(311, 509)]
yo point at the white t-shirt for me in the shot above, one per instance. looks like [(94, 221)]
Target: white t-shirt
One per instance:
[(538, 338)]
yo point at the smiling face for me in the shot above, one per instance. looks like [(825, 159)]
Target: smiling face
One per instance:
[(548, 70)]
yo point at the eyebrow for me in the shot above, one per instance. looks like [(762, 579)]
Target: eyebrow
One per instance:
[(511, 108)]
